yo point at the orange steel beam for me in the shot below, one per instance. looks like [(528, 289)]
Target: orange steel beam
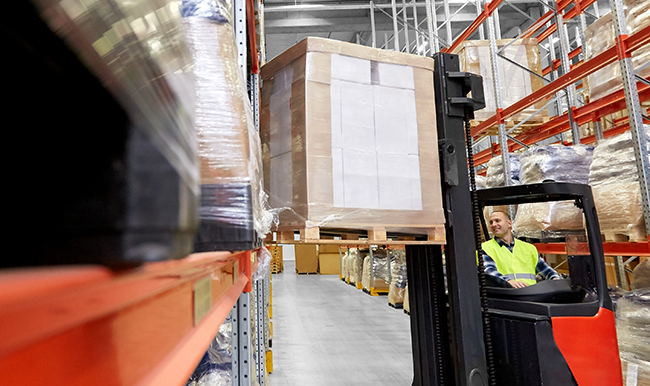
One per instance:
[(626, 45), (588, 113), (127, 328)]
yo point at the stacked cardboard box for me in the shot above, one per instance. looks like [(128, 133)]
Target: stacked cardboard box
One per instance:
[(349, 137), (306, 258), (516, 83)]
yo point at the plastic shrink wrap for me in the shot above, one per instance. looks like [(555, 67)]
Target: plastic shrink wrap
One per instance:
[(495, 174), (600, 36), (549, 163), (353, 259), (399, 277), (233, 212), (215, 368), (614, 181), (375, 270), (517, 82), (349, 137), (103, 92), (633, 331)]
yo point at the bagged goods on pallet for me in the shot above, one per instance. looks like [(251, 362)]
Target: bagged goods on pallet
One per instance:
[(641, 276), (349, 137), (399, 277), (106, 116), (600, 36), (614, 179), (495, 174), (232, 211), (215, 368), (550, 163), (352, 258), (375, 270), (633, 331)]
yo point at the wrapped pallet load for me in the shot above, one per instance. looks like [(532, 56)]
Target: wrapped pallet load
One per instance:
[(232, 212), (600, 36), (633, 331), (556, 163), (102, 93), (349, 138), (375, 271), (399, 277), (614, 180), (517, 82)]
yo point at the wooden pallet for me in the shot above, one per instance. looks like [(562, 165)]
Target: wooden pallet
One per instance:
[(306, 273), (635, 236), (510, 123), (363, 235)]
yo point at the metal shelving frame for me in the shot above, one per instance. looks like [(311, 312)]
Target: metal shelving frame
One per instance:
[(560, 90)]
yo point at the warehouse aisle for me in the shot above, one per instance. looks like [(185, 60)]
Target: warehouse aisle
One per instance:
[(328, 333)]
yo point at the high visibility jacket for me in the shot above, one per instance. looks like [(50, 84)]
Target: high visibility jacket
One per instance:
[(520, 264)]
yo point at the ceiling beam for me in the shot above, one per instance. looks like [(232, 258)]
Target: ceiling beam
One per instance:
[(274, 7)]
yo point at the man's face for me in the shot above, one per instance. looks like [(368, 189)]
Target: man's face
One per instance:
[(499, 224)]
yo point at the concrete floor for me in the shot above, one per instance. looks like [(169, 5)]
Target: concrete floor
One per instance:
[(327, 333)]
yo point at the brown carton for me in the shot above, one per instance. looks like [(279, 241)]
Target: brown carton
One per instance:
[(349, 137), (306, 258)]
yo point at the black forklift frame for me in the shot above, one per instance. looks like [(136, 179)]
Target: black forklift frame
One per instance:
[(450, 337)]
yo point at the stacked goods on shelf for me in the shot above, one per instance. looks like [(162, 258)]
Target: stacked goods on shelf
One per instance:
[(495, 176), (399, 279), (375, 275), (351, 260), (108, 121), (215, 368), (329, 259), (633, 331), (306, 258), (277, 261), (614, 180), (641, 277), (516, 82), (600, 36), (349, 138), (544, 163), (232, 215)]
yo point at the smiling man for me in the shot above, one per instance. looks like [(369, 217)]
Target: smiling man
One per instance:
[(512, 260)]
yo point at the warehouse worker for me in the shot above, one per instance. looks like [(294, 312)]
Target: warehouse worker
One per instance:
[(512, 260)]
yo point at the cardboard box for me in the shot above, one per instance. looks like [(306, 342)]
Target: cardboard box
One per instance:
[(330, 248), (349, 137), (306, 258), (516, 83), (600, 36), (329, 263)]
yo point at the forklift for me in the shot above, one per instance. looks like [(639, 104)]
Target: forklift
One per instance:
[(466, 330)]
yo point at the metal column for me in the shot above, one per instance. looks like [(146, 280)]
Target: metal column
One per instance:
[(479, 10), (372, 25), (260, 331), (407, 41), (395, 26), (498, 101), (240, 36), (242, 365), (450, 36), (566, 67), (634, 112), (417, 29), (432, 25)]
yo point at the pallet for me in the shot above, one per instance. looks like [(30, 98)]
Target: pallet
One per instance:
[(634, 237), (306, 273), (398, 306), (510, 123), (376, 292), (364, 235)]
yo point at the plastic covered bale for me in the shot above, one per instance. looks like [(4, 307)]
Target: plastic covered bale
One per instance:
[(102, 92), (600, 37), (495, 173), (354, 256), (215, 368), (549, 163), (399, 278), (614, 179), (347, 133), (375, 270), (233, 207), (633, 331)]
